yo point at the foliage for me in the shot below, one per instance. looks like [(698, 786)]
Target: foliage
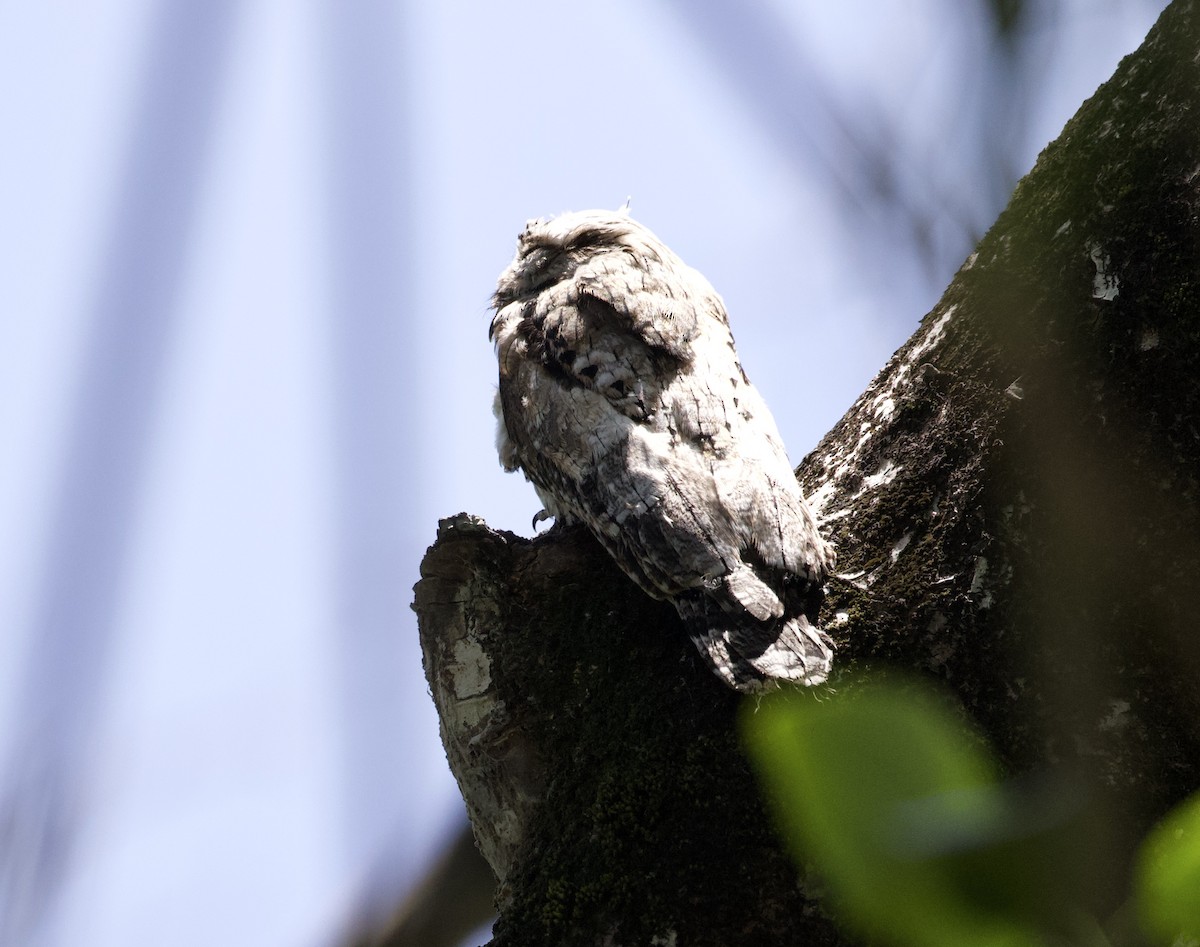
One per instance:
[(1168, 875), (897, 806)]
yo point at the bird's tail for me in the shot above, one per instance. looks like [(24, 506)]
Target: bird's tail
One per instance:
[(751, 655)]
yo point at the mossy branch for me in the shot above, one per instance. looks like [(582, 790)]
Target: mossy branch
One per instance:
[(1016, 505)]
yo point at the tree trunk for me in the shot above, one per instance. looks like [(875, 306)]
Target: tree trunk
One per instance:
[(1015, 501)]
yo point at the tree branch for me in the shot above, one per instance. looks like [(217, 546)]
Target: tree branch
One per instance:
[(1016, 505)]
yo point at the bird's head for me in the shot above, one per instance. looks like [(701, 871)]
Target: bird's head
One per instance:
[(550, 249)]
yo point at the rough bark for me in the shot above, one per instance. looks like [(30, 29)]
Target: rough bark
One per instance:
[(1016, 505)]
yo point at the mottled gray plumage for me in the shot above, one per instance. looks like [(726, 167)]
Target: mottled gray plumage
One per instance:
[(622, 399)]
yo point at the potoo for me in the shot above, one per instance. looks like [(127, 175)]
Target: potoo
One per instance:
[(622, 399)]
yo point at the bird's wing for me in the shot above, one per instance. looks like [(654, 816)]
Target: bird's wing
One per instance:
[(644, 296)]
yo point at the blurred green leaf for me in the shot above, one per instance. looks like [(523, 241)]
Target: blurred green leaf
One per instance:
[(895, 800), (1167, 880)]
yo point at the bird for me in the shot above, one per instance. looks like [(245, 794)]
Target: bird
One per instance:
[(622, 400)]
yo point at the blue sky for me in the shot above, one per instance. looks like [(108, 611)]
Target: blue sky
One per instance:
[(246, 251)]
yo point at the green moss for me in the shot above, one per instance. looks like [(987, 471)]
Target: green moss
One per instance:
[(651, 801)]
